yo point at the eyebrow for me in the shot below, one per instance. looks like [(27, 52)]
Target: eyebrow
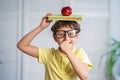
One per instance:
[(64, 30)]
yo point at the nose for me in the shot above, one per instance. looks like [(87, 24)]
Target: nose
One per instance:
[(66, 37)]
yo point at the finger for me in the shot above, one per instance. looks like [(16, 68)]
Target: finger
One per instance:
[(46, 17), (48, 14)]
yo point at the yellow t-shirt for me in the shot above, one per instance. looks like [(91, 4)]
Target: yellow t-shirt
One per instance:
[(57, 65)]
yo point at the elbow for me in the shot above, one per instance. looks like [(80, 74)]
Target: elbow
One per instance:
[(84, 77), (19, 46)]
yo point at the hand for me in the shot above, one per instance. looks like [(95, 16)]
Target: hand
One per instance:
[(66, 47), (45, 22)]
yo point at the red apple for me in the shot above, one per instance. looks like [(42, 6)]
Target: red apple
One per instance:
[(66, 11)]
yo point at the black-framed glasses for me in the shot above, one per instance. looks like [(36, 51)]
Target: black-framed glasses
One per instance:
[(62, 33)]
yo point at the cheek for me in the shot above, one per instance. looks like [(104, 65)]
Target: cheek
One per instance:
[(58, 40), (75, 39)]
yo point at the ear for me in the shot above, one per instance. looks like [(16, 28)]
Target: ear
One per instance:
[(54, 38)]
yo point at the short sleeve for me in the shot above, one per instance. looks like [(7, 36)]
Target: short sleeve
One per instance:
[(84, 58), (43, 55)]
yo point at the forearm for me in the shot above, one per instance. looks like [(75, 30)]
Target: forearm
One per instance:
[(80, 68), (25, 43), (26, 40)]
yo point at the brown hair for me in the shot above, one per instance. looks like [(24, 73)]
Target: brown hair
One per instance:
[(71, 24)]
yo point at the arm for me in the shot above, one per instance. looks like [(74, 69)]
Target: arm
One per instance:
[(25, 43), (81, 69)]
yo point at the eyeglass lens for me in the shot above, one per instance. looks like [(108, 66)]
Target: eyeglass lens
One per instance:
[(61, 33)]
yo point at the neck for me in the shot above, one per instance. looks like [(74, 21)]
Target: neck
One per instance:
[(62, 50)]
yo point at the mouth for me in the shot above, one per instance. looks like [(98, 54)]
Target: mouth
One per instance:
[(70, 42)]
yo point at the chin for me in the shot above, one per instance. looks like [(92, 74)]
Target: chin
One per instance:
[(72, 47)]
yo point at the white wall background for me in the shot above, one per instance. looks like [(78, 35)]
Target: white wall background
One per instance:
[(18, 17)]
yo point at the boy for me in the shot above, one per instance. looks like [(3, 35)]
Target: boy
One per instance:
[(64, 63)]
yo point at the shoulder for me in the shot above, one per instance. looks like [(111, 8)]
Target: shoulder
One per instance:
[(79, 51)]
